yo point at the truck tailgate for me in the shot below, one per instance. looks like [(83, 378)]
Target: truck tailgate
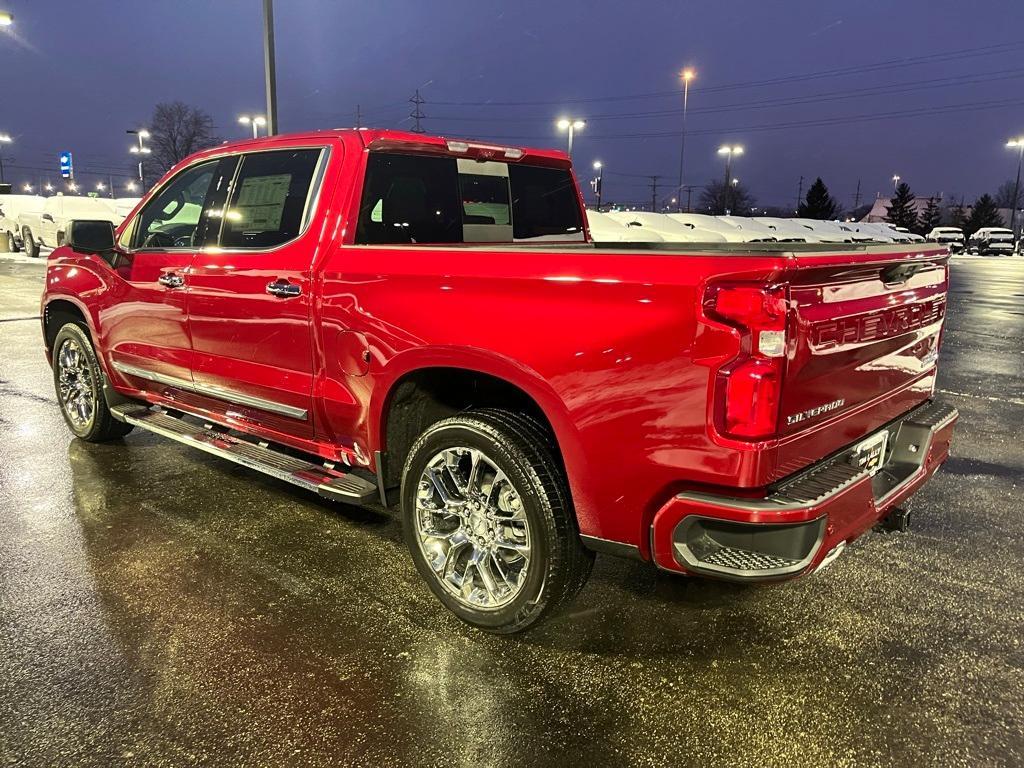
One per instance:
[(864, 333)]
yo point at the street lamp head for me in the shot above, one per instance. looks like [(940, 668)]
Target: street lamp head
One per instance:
[(577, 124), (6, 19), (563, 124), (144, 133), (688, 74), (49, 187), (725, 149), (27, 187), (1014, 143), (4, 138), (597, 165), (130, 186), (244, 119), (100, 186), (134, 149), (260, 120)]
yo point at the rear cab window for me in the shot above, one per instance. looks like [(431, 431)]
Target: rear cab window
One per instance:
[(425, 199)]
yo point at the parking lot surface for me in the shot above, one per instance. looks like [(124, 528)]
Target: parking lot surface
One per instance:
[(161, 607)]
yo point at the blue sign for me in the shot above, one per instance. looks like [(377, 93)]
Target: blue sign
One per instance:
[(67, 170)]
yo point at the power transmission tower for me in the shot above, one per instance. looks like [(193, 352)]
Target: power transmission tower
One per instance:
[(417, 113), (799, 195), (654, 192), (856, 197)]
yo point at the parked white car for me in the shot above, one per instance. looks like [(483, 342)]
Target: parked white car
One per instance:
[(951, 236), (605, 229), (46, 227), (991, 241), (666, 228), (11, 206), (787, 231)]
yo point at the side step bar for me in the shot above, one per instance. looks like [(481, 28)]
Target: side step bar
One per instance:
[(319, 478)]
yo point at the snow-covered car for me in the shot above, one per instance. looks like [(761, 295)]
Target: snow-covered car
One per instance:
[(786, 231), (605, 229), (45, 228), (701, 221), (991, 241), (668, 229), (755, 231), (11, 206), (951, 236)]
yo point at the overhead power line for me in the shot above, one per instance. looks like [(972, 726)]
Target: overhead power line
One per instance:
[(957, 55)]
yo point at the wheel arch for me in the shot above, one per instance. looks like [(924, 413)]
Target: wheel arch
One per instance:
[(429, 387)]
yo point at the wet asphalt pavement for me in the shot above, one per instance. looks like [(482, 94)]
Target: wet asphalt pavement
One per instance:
[(159, 606)]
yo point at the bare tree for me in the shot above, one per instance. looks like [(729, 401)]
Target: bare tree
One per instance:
[(718, 198), (1004, 196), (176, 131)]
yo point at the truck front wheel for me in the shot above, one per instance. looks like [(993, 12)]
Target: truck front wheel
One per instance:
[(78, 379), (31, 247), (489, 521)]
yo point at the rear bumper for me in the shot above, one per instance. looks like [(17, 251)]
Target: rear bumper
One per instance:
[(806, 519)]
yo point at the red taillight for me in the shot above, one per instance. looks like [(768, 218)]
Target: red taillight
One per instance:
[(748, 388)]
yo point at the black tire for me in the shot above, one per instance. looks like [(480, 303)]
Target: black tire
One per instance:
[(10, 245), (31, 246), (559, 563), (101, 426)]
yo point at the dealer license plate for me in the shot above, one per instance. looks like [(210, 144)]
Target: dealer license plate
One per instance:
[(870, 453)]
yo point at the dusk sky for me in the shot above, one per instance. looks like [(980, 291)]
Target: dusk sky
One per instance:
[(77, 74)]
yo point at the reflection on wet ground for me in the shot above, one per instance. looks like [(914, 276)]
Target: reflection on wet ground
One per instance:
[(158, 606)]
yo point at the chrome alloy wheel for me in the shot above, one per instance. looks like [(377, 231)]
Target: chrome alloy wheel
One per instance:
[(472, 529), (75, 384)]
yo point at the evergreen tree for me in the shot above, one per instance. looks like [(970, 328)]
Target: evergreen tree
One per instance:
[(985, 213), (901, 208), (931, 217), (818, 204)]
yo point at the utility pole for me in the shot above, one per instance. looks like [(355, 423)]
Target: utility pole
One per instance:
[(856, 197), (417, 113), (654, 193), (269, 66), (799, 195), (689, 192), (359, 117)]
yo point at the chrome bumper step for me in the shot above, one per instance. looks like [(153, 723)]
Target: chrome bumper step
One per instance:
[(262, 457)]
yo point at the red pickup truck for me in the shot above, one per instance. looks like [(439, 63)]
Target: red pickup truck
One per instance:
[(384, 317)]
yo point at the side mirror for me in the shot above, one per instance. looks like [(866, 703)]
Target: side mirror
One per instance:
[(94, 237)]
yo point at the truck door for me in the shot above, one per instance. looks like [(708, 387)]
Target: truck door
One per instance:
[(146, 329), (250, 298)]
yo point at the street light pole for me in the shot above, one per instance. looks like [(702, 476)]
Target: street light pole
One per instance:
[(140, 149), (729, 151), (571, 125), (1017, 144), (895, 181), (4, 139), (687, 75), (269, 66), (599, 181)]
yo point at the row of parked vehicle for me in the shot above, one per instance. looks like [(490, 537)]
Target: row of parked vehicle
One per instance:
[(31, 222), (645, 226)]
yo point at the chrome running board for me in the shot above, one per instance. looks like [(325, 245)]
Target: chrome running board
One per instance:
[(310, 475)]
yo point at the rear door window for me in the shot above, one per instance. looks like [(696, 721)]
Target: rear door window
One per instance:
[(270, 198), (426, 199)]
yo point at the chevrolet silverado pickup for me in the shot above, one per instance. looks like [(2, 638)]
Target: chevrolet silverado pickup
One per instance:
[(393, 319)]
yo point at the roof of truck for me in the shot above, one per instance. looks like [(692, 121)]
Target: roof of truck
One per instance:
[(386, 138)]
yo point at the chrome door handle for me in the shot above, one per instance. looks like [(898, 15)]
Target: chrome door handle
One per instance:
[(170, 280), (283, 289)]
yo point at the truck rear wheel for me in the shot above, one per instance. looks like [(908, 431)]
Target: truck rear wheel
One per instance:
[(489, 521), (78, 379)]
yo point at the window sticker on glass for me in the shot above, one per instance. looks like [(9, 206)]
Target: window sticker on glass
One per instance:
[(261, 201)]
